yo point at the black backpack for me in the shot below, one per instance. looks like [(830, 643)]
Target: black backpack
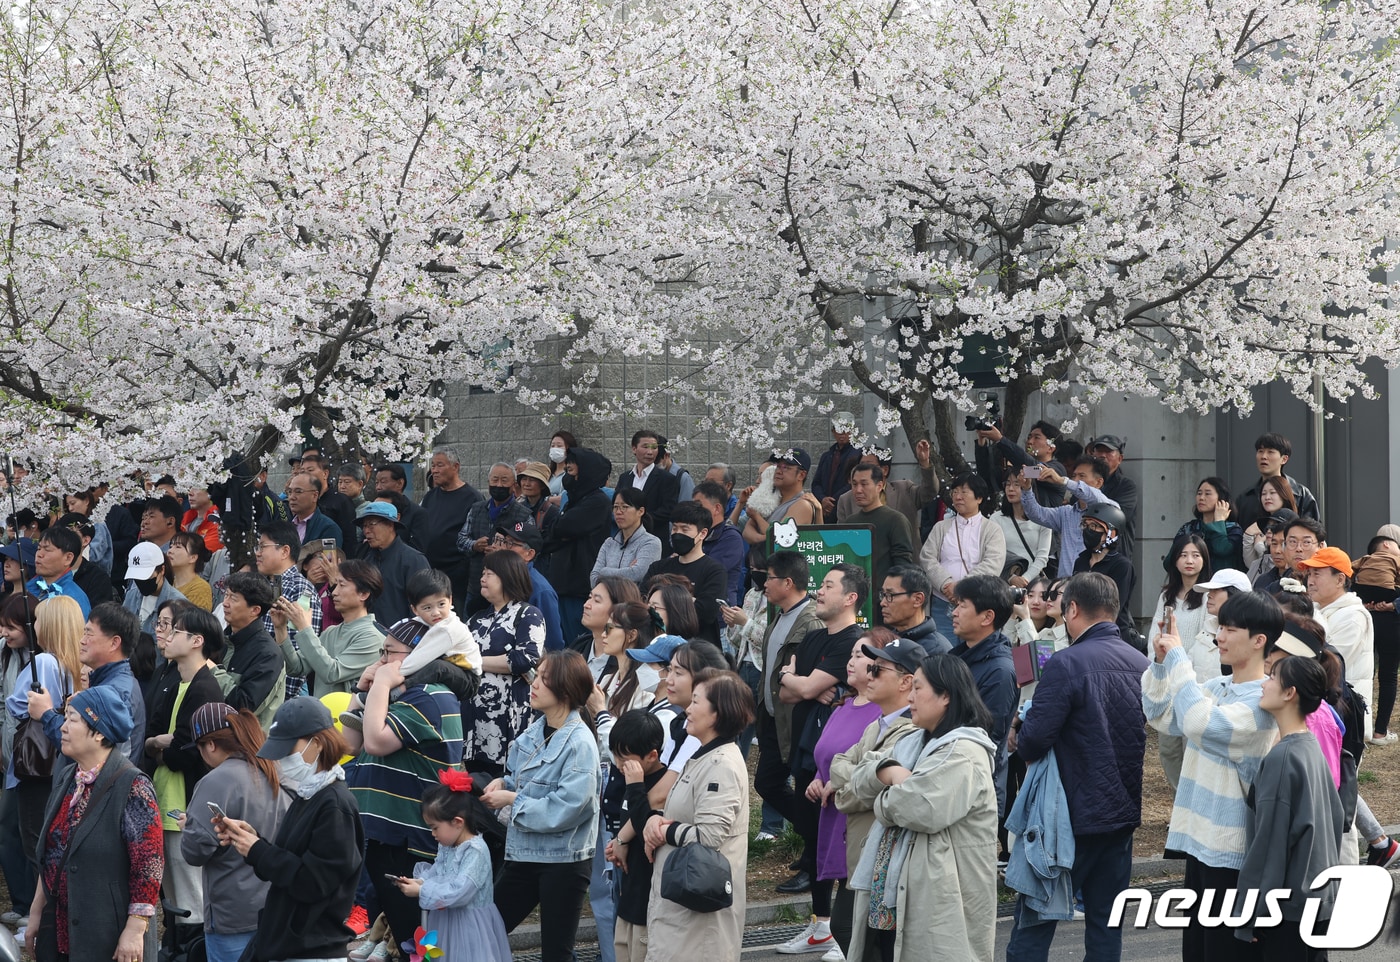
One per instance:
[(1352, 707)]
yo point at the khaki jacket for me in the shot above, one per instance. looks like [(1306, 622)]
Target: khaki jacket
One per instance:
[(947, 891), (807, 620), (712, 796), (860, 816)]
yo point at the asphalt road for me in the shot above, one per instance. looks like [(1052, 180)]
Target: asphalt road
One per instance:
[(1148, 945)]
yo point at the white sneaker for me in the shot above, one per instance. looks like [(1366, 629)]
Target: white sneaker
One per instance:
[(816, 937), (765, 837), (370, 952), (1389, 738), (834, 954)]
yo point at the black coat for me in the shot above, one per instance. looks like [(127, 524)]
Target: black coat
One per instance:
[(314, 867), (1120, 569), (660, 495), (257, 661), (338, 508), (582, 527), (96, 583), (181, 756)]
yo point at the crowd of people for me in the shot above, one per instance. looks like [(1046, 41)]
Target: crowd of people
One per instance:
[(397, 721)]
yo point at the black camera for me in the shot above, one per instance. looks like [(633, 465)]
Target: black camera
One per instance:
[(987, 421), (1018, 595)]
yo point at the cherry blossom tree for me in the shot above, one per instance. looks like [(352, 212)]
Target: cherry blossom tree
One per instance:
[(221, 219), (1183, 200)]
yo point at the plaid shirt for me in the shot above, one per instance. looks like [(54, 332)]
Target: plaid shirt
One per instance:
[(294, 585)]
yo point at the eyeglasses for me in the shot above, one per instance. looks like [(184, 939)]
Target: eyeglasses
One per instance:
[(892, 595), (386, 652), (164, 625), (501, 541), (773, 577), (608, 627), (1301, 543)]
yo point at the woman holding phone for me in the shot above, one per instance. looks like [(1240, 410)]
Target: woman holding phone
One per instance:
[(313, 863), (241, 786)]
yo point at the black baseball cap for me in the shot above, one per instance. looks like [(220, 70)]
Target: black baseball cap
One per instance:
[(795, 456), (907, 654), (298, 718), (526, 532)]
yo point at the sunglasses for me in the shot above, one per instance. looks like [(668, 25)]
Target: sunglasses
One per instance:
[(1052, 594), (876, 668)]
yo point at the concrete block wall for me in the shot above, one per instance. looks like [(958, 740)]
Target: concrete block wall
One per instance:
[(485, 427)]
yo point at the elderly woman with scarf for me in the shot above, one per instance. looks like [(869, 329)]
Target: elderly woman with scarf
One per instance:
[(101, 833)]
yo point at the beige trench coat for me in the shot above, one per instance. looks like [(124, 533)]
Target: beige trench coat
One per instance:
[(947, 891), (712, 794)]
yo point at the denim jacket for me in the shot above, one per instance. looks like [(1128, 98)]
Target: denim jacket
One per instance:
[(555, 814), (1042, 857)]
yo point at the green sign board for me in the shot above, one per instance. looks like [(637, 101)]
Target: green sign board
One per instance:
[(825, 546)]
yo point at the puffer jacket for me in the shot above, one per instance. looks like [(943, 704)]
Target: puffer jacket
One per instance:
[(582, 526), (932, 640), (1088, 708)]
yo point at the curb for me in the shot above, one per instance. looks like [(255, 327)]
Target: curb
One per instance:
[(527, 937)]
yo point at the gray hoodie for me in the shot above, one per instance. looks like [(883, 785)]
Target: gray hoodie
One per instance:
[(233, 893)]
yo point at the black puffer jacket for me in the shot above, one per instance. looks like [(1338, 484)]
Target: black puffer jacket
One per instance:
[(582, 525)]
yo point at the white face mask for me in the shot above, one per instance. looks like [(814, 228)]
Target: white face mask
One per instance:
[(557, 455), (293, 770)]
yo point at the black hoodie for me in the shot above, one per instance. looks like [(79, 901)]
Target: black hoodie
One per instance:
[(582, 525)]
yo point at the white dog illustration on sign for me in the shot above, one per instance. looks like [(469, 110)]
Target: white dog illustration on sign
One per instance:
[(785, 533)]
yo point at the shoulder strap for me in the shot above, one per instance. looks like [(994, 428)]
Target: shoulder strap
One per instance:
[(1017, 525)]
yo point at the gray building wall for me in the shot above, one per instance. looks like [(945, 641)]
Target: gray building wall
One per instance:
[(1357, 490)]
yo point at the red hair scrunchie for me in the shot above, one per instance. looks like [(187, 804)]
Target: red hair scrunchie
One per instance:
[(455, 780)]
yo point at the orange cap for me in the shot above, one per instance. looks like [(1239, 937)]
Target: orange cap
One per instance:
[(1329, 558)]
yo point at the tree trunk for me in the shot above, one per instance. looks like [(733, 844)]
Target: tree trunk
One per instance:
[(947, 455)]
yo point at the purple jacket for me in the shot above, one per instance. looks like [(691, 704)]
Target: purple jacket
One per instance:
[(1088, 708)]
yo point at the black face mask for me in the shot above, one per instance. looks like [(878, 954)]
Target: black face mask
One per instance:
[(147, 587), (1093, 537), (682, 544), (499, 495), (569, 481), (758, 579)]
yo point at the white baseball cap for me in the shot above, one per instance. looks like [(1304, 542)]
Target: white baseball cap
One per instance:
[(1226, 578), (143, 560)]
